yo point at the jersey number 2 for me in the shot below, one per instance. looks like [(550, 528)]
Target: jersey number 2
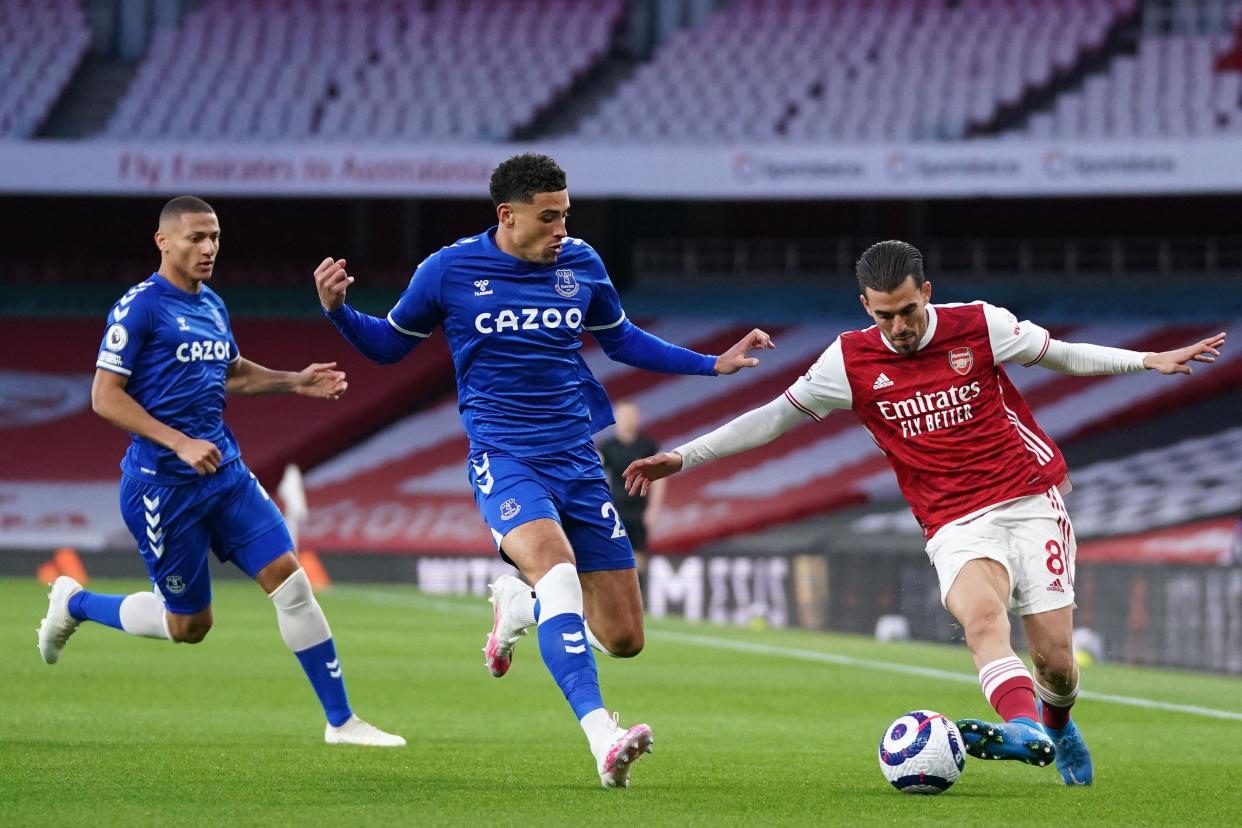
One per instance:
[(608, 510)]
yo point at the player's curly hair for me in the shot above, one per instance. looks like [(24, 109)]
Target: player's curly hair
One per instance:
[(519, 178), (180, 205), (885, 265)]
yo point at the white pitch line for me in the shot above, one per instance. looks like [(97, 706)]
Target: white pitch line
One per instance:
[(441, 605), (928, 672)]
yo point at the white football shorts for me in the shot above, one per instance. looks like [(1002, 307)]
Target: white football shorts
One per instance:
[(1031, 537)]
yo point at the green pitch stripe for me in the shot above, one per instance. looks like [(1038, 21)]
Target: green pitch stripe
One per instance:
[(928, 672), (457, 607)]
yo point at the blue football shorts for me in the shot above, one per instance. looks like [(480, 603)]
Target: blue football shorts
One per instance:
[(227, 512), (568, 487)]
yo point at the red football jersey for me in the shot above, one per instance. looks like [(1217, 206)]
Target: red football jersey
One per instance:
[(954, 428)]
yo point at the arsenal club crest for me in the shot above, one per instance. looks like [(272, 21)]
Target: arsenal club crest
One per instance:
[(961, 360)]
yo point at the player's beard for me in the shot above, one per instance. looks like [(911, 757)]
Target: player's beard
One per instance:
[(905, 346)]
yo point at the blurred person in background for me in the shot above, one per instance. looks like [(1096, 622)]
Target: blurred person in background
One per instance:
[(167, 360), (1235, 548), (514, 302), (984, 481), (628, 443)]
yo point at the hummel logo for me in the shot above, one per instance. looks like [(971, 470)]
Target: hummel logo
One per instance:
[(152, 503), (185, 326), (882, 381), (1055, 586), (481, 289), (334, 667), (577, 636)]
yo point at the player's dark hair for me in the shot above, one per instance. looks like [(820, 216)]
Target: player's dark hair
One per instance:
[(885, 265), (180, 205), (519, 178)]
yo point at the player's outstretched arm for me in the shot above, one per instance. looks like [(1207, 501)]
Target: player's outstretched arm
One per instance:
[(641, 475), (372, 337), (1082, 359), (1178, 361), (332, 282), (110, 400), (736, 358), (755, 428), (631, 345), (320, 380)]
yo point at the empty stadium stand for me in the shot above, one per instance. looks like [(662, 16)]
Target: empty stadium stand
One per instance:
[(44, 42), (852, 70), (796, 71), (350, 70), (1172, 88)]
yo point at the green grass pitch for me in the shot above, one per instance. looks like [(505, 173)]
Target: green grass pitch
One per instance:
[(127, 731)]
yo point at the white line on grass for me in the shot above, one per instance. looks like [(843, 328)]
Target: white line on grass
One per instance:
[(814, 656), (928, 672)]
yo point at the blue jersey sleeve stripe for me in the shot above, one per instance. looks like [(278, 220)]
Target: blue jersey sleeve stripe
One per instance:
[(606, 327), (404, 331), (125, 372)]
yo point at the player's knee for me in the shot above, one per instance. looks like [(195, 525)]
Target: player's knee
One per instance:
[(626, 646), (1057, 668), (986, 623), (189, 631)]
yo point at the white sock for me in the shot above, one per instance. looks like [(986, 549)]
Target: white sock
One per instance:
[(1053, 698), (301, 620), (143, 614), (599, 729), (559, 592), (522, 607)]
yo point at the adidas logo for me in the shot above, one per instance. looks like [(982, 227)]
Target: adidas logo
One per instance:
[(1055, 586), (882, 381)]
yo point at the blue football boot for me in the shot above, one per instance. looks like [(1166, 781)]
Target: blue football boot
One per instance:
[(1020, 739), (1073, 758)]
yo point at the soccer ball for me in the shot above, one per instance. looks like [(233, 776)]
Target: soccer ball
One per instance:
[(921, 753)]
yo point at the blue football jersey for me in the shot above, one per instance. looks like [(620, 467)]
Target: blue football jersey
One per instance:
[(176, 348), (514, 328)]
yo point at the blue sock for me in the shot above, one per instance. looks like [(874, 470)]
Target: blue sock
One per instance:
[(563, 645), (537, 609), (324, 671), (92, 606)]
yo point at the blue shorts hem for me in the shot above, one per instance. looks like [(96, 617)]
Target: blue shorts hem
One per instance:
[(534, 514), (183, 610), (252, 567), (608, 566)]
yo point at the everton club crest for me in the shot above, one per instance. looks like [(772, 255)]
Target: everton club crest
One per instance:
[(961, 360), (566, 284)]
